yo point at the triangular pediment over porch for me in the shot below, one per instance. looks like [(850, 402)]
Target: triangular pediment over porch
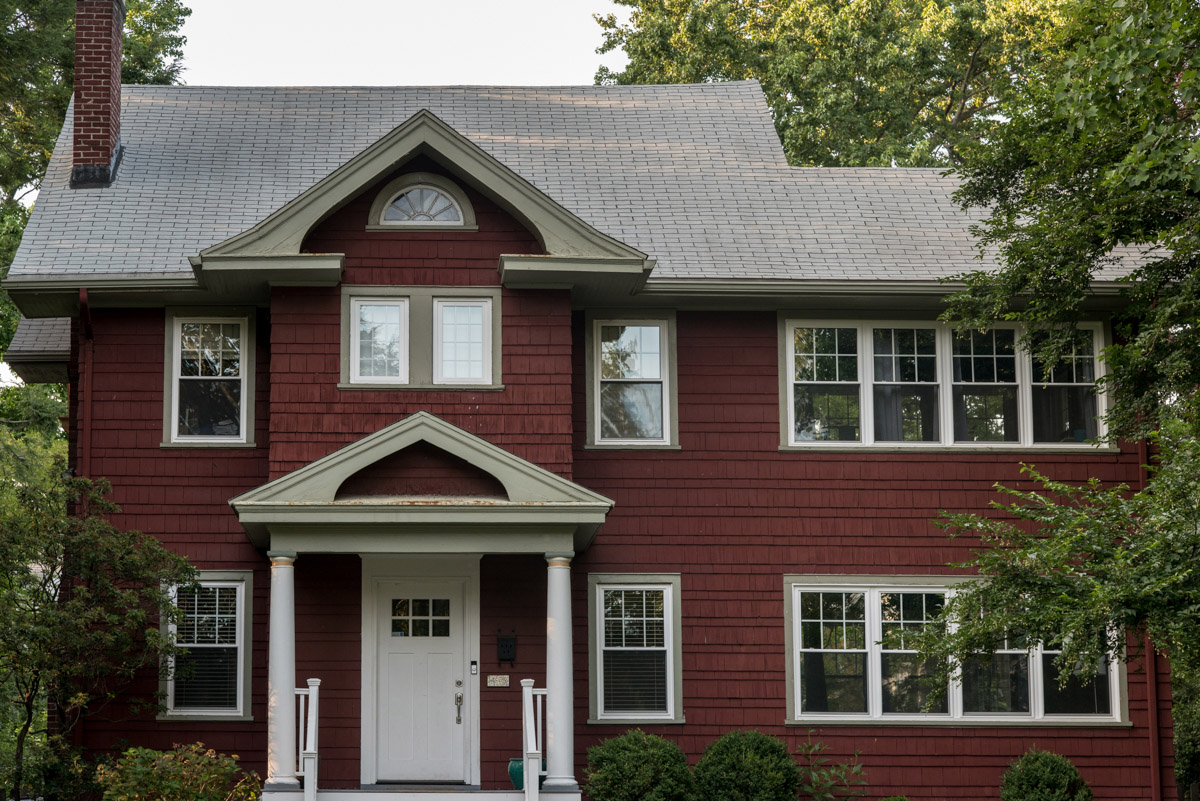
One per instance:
[(539, 511)]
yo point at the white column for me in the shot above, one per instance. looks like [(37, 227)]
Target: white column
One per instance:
[(281, 675), (560, 679)]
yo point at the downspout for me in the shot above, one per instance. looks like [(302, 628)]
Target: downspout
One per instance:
[(86, 347), (1151, 671)]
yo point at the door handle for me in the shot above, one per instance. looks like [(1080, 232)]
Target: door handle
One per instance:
[(458, 702)]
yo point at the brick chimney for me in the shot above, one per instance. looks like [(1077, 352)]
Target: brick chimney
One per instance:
[(99, 34)]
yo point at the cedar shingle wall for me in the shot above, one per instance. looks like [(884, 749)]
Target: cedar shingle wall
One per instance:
[(733, 514)]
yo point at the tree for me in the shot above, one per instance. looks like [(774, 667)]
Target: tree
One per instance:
[(849, 82), (82, 603), (1098, 166), (36, 80)]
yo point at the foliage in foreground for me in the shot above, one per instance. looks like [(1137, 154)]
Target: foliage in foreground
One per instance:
[(1042, 776), (859, 83), (638, 767), (187, 773), (747, 766), (81, 608), (823, 780)]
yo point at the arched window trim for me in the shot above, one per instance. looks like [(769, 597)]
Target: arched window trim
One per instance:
[(411, 181)]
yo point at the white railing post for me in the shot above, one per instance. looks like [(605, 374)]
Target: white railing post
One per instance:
[(308, 757), (531, 744)]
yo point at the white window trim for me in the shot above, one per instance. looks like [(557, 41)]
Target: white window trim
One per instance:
[(664, 367), (242, 582), (670, 584), (245, 367), (356, 304), (945, 386), (486, 305), (872, 587)]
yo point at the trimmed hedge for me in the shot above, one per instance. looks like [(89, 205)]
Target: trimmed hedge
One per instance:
[(1043, 776), (638, 767), (747, 766)]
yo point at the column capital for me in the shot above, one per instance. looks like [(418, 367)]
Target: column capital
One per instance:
[(282, 558), (560, 558)]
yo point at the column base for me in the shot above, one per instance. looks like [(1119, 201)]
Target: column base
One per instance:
[(281, 783), (558, 785)]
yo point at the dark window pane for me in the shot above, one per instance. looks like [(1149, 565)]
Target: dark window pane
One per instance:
[(206, 678), (1064, 414), (985, 414), (826, 340), (847, 340), (833, 682), (962, 369), (810, 606), (635, 681), (996, 685), (209, 407), (906, 684), (881, 340), (883, 369), (1085, 693), (827, 412), (906, 414), (905, 340), (631, 411), (927, 368), (926, 338), (826, 368)]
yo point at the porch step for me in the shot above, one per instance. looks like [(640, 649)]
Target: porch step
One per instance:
[(383, 792)]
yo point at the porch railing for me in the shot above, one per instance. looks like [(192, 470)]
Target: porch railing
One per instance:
[(306, 741), (533, 730)]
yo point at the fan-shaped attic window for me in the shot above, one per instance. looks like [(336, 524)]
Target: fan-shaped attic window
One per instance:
[(423, 204), (421, 201)]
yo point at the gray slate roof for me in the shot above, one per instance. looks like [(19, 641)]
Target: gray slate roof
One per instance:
[(40, 339), (692, 175)]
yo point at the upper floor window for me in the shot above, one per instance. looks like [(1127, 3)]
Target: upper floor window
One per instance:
[(209, 389), (900, 384), (632, 381), (850, 645), (420, 337), (421, 201)]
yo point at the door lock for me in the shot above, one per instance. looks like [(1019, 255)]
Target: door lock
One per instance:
[(458, 702)]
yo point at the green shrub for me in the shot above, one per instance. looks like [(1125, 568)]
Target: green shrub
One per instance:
[(1042, 776), (747, 766), (638, 767), (189, 773)]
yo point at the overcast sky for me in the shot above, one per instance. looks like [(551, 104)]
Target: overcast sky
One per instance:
[(394, 42)]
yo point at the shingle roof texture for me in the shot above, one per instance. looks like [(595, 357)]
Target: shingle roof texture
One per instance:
[(692, 175), (40, 338)]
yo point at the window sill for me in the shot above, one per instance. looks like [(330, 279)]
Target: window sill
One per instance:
[(187, 445), (1049, 448), (425, 387), (968, 723), (185, 717), (631, 446), (636, 721)]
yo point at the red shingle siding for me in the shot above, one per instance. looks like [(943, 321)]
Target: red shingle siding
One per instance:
[(733, 514), (421, 470)]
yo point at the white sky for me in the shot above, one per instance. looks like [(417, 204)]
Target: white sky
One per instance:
[(394, 42)]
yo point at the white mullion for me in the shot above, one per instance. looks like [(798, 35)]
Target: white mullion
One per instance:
[(944, 342), (1037, 699), (874, 634), (866, 386), (1024, 390)]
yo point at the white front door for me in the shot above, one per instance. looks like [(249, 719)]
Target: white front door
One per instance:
[(423, 688)]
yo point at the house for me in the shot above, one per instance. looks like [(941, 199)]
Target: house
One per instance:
[(445, 389)]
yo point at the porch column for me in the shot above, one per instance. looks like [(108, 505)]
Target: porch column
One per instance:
[(560, 680), (281, 675)]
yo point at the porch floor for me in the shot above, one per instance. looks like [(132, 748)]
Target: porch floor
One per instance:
[(387, 792)]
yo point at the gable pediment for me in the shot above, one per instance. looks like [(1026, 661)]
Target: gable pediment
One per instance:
[(371, 486), (560, 232)]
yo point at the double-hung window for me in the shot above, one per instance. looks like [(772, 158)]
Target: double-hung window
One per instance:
[(908, 384), (852, 657), (379, 344), (209, 677), (635, 629), (631, 385), (209, 390)]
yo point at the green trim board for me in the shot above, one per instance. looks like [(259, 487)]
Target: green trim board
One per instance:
[(307, 496), (674, 582), (559, 231)]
